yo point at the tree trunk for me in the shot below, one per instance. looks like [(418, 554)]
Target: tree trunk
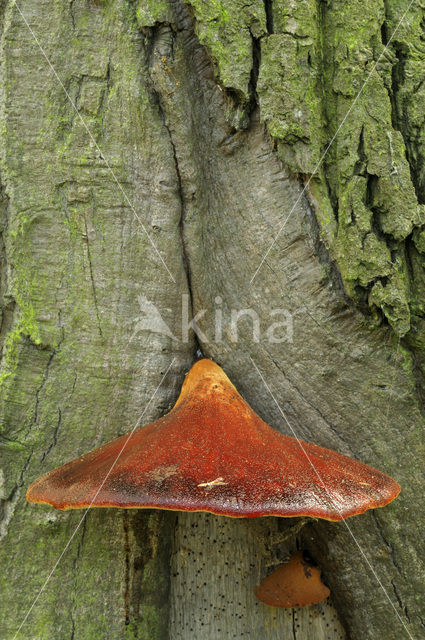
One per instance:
[(162, 159)]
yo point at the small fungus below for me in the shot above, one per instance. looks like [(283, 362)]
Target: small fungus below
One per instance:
[(212, 453), (294, 584)]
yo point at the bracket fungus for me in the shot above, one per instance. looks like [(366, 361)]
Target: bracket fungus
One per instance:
[(296, 583), (212, 452)]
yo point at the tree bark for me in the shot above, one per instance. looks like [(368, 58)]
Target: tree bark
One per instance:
[(162, 155)]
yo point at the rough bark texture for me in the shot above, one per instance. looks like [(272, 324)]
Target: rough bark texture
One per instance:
[(201, 124)]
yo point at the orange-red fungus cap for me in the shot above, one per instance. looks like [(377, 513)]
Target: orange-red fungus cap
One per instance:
[(211, 452), (294, 584)]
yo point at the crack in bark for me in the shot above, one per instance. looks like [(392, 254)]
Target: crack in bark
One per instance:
[(385, 541), (55, 436), (9, 441), (71, 12), (41, 386), (336, 186), (93, 285), (8, 505), (400, 52), (7, 508), (327, 133), (73, 625), (294, 627), (268, 9), (322, 252), (186, 260), (400, 602), (418, 373), (162, 44), (127, 569), (255, 70), (80, 543), (45, 378), (399, 117), (7, 304), (59, 420), (105, 94)]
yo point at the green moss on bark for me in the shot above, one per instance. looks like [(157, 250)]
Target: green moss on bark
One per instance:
[(321, 79), (227, 29), (74, 371), (151, 12), (289, 88)]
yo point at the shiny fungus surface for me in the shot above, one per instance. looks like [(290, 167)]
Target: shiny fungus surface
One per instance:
[(213, 453), (294, 584)]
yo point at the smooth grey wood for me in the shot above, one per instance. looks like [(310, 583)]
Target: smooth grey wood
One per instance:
[(216, 563)]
